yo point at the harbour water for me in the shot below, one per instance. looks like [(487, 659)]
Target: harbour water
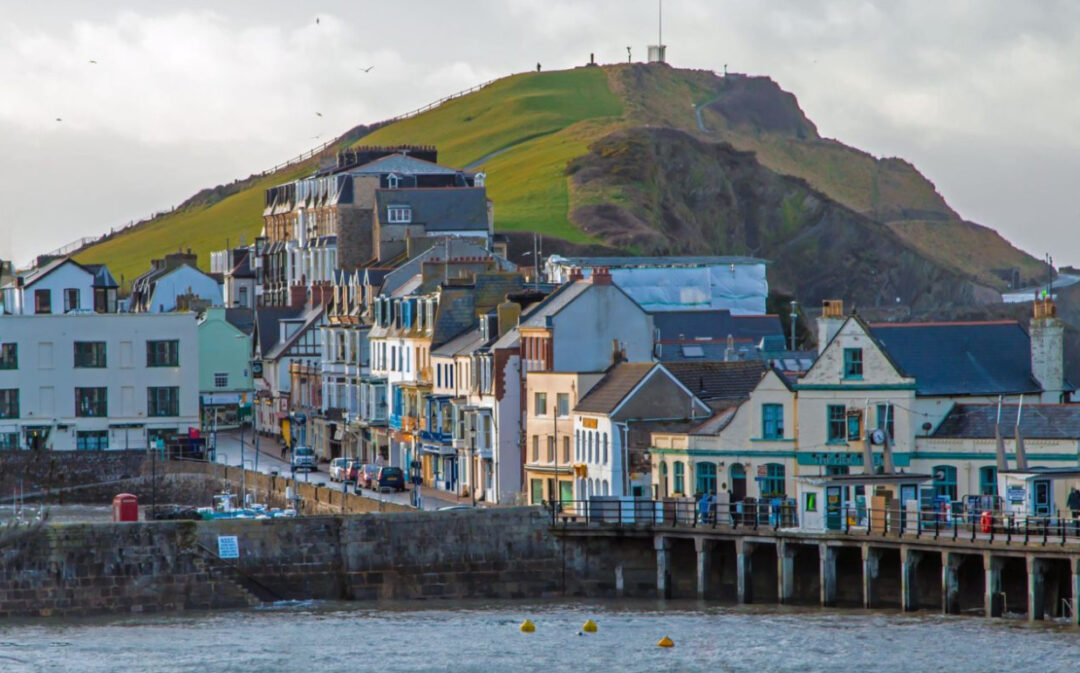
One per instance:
[(332, 637)]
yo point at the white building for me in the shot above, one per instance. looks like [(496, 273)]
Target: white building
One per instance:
[(737, 284), (163, 287), (61, 286), (95, 382)]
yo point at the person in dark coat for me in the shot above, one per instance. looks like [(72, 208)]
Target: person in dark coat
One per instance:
[(1073, 503)]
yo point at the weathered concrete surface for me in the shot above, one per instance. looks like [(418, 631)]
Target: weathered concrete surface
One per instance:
[(38, 471)]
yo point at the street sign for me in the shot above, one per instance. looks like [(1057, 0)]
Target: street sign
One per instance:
[(228, 547)]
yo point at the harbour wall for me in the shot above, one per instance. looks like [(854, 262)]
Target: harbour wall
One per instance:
[(80, 569)]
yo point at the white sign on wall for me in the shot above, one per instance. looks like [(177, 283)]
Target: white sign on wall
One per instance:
[(228, 547)]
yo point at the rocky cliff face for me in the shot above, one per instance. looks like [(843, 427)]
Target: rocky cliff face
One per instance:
[(662, 191)]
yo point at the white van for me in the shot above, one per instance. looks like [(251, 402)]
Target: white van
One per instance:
[(303, 458)]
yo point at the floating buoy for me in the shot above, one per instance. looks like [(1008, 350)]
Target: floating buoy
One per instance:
[(527, 626), (666, 642), (589, 627)]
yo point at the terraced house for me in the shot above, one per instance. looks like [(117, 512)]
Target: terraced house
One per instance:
[(360, 213)]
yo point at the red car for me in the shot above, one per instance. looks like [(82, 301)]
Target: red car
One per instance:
[(352, 471)]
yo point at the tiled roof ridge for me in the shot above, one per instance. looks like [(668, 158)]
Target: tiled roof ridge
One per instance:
[(959, 323)]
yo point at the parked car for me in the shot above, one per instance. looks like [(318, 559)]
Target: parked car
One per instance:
[(352, 470), (337, 469), (303, 458), (369, 474), (390, 479)]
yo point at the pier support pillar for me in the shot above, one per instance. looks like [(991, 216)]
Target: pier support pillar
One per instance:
[(785, 572), (1036, 588), (1074, 613), (871, 563), (950, 582), (620, 583), (909, 564), (663, 569), (703, 548), (827, 569), (993, 602), (743, 551)]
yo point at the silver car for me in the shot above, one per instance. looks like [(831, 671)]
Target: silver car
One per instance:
[(303, 458), (338, 468)]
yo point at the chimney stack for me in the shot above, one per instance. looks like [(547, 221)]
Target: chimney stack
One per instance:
[(601, 275), (830, 322), (1047, 334), (509, 315), (575, 275)]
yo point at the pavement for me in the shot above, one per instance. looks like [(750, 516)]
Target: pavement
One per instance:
[(268, 459)]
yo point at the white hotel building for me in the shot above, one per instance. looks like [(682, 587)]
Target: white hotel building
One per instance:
[(95, 381)]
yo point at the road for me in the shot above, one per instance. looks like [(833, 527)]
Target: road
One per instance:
[(269, 460)]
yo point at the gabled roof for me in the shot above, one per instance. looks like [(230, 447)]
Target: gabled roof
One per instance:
[(556, 301), (718, 380), (960, 358), (466, 342), (43, 271), (266, 325), (242, 319), (611, 390), (459, 249), (1037, 421), (310, 316), (102, 276)]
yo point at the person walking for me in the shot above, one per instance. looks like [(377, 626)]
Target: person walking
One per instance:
[(1073, 503)]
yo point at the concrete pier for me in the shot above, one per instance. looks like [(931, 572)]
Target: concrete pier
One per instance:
[(909, 568), (994, 601), (785, 572), (1036, 589), (871, 564), (950, 582), (827, 570), (663, 568), (743, 552), (703, 548)]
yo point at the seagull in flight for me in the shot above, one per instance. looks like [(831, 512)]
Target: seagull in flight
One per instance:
[(367, 69), (318, 114), (316, 20), (59, 119), (93, 61)]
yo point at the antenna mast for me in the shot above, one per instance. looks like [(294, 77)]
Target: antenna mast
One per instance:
[(660, 22)]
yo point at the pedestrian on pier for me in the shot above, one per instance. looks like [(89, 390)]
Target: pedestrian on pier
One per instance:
[(1073, 503)]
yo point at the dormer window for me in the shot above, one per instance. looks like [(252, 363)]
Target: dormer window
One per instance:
[(399, 214), (392, 181)]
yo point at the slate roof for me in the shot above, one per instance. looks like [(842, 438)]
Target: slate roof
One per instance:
[(403, 164), (102, 276), (439, 208), (242, 319), (42, 271), (310, 317), (266, 322), (459, 249), (466, 342), (690, 325), (606, 395), (961, 358), (555, 302), (1037, 421), (718, 380)]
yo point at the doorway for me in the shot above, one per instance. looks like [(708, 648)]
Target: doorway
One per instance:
[(1041, 500), (737, 475)]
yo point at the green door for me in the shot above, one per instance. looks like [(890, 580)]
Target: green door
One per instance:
[(834, 507)]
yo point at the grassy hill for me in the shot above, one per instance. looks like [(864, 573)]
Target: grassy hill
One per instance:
[(559, 150)]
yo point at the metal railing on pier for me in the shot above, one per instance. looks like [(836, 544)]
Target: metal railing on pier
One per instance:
[(992, 526)]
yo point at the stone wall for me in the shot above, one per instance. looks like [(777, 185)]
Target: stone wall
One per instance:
[(40, 471), (103, 568)]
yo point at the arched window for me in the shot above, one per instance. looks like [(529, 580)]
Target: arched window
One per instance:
[(945, 481), (988, 480), (588, 442), (706, 477), (605, 487), (605, 449), (680, 477), (774, 482), (577, 445)]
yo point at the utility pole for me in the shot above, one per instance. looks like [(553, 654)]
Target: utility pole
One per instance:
[(794, 320)]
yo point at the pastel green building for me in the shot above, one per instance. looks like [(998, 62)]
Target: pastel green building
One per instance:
[(225, 383)]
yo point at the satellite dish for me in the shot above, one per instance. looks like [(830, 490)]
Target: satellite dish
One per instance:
[(877, 436)]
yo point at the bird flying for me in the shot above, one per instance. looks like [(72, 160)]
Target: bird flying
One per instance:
[(367, 69), (93, 61), (59, 119), (318, 114)]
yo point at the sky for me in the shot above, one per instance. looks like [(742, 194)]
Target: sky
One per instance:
[(113, 110)]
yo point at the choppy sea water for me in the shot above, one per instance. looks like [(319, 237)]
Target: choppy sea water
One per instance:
[(331, 637)]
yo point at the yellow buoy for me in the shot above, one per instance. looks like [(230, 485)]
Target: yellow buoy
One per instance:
[(666, 642), (527, 626), (590, 627)]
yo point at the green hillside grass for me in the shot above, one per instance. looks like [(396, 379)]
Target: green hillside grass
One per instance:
[(523, 115)]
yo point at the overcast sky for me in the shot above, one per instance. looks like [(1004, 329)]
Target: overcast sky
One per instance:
[(983, 97)]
